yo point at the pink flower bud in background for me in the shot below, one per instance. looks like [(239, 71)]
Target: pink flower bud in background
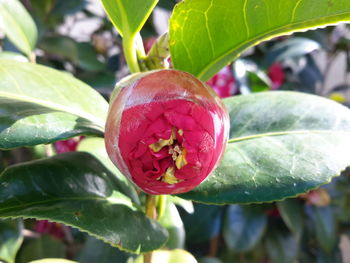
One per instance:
[(318, 197), (50, 228), (69, 145), (223, 83), (276, 75), (166, 131), (273, 213), (149, 43)]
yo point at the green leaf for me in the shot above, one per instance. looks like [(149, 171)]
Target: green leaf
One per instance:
[(13, 56), (41, 105), (205, 35), (88, 58), (170, 256), (11, 239), (18, 25), (61, 46), (96, 147), (292, 213), (127, 16), (281, 246), (53, 260), (204, 224), (210, 260), (282, 144), (63, 7), (334, 257), (76, 190), (325, 227), (95, 250), (243, 227), (82, 54), (167, 4), (43, 247), (172, 222)]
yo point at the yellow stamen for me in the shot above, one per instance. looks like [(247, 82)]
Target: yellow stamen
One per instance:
[(169, 176), (156, 147), (178, 154), (180, 132), (180, 159)]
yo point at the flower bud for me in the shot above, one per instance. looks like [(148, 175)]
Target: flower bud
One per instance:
[(166, 130)]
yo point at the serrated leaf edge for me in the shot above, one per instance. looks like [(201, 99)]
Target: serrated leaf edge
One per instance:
[(270, 201)]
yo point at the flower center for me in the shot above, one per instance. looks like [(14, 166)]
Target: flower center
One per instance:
[(177, 153)]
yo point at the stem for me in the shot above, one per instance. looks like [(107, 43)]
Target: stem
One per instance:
[(140, 51), (32, 58), (130, 54), (161, 205), (151, 213)]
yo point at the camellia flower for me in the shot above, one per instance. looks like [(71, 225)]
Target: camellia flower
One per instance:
[(276, 75), (166, 131), (69, 145), (50, 228), (223, 83)]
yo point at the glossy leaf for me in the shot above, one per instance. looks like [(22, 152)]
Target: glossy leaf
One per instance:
[(75, 189), (41, 105), (96, 147), (282, 144), (243, 227), (292, 213), (128, 16), (199, 47), (18, 25), (11, 239)]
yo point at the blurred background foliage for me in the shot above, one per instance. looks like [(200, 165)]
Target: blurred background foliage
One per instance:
[(77, 37)]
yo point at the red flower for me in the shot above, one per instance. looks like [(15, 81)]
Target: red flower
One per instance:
[(274, 213), (223, 83), (51, 228), (166, 131), (69, 145), (276, 75)]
